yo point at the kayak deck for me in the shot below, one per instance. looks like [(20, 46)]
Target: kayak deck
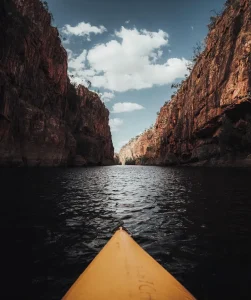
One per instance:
[(124, 271)]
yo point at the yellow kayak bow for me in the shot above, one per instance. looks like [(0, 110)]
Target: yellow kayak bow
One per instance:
[(124, 271)]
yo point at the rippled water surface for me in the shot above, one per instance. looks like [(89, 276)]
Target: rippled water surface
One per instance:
[(196, 222)]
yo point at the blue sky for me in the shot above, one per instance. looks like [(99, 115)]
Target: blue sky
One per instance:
[(131, 52)]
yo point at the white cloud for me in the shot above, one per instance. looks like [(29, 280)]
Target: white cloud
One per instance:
[(125, 107), (156, 56), (69, 53), (83, 29), (159, 53), (107, 96), (192, 27), (115, 124), (129, 61), (127, 22), (77, 63)]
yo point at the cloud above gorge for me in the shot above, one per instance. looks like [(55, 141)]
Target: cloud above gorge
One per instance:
[(126, 107), (83, 29), (129, 62), (115, 124), (107, 96)]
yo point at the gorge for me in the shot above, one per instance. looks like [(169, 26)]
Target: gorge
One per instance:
[(45, 120)]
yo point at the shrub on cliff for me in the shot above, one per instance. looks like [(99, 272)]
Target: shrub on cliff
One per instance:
[(197, 51), (176, 85), (46, 7), (234, 3), (214, 18)]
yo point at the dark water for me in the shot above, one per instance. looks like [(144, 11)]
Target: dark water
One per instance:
[(196, 222)]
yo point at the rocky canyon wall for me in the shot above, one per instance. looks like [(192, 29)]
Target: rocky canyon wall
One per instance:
[(208, 121), (44, 120)]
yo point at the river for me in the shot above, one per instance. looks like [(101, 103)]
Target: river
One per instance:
[(196, 222)]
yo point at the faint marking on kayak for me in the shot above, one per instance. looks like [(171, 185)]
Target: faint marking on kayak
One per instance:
[(146, 286)]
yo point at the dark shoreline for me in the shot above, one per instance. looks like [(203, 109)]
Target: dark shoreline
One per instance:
[(238, 163)]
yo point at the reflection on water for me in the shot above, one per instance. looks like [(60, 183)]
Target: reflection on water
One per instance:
[(196, 222)]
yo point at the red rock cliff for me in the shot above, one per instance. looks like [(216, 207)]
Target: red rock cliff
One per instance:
[(209, 120), (44, 120)]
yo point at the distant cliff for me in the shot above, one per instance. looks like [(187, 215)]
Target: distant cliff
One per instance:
[(208, 121), (44, 120)]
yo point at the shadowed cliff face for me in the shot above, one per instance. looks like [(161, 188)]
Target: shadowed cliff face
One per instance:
[(44, 120), (209, 120)]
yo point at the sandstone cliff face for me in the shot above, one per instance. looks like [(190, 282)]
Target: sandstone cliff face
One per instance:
[(44, 120), (210, 117)]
